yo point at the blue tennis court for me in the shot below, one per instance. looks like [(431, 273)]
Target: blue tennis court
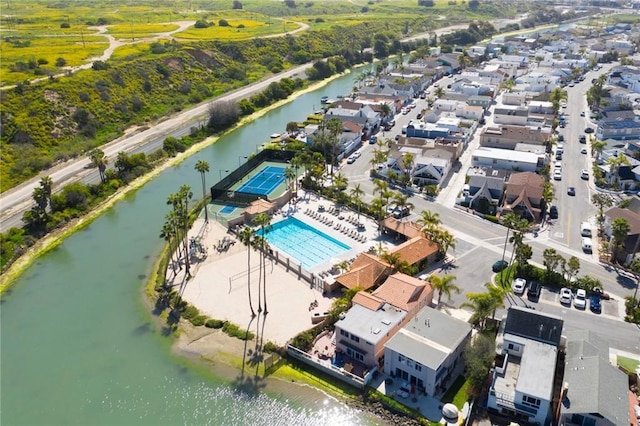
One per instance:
[(265, 181), (227, 209)]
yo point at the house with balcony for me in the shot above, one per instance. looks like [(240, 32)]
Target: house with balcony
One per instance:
[(523, 196), (522, 380), (508, 136), (427, 351), (618, 125), (503, 159), (374, 318), (428, 167), (594, 392), (631, 244)]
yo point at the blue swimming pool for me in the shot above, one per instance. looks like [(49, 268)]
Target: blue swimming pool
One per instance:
[(304, 243)]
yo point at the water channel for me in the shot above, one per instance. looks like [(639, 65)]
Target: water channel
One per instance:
[(78, 345)]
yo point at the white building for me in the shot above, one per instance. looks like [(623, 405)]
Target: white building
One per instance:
[(427, 351), (504, 159), (522, 383)]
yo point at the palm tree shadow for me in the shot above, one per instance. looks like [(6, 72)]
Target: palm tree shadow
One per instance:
[(251, 385)]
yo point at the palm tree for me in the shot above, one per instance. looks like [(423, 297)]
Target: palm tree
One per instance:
[(497, 293), (99, 160), (356, 193), (290, 176), (335, 127), (246, 236), (596, 148), (264, 221), (482, 305), (203, 167), (46, 183), (439, 92), (619, 232), (427, 217), (444, 285), (168, 234), (556, 96)]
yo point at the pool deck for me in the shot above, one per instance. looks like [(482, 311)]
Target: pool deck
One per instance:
[(219, 284)]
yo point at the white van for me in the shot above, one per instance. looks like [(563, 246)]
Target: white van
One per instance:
[(585, 229), (586, 244)]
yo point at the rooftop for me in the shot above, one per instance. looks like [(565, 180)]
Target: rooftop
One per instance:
[(533, 325), (430, 337), (371, 325)]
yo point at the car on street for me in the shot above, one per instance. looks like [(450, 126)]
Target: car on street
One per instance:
[(557, 174), (357, 154), (582, 114), (553, 212), (373, 139), (583, 139), (571, 191), (533, 293), (580, 301), (587, 244), (499, 265), (584, 174), (583, 150), (588, 130), (585, 229), (566, 296), (519, 285), (560, 138), (594, 303), (352, 159)]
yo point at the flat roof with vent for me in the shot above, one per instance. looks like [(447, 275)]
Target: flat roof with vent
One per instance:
[(371, 325)]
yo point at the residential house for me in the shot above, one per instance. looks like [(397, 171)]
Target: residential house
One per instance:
[(538, 82), (632, 242), (374, 318), (454, 146), (523, 195), (626, 76), (432, 167), (427, 351), (508, 136), (445, 105), (522, 381), (620, 45), (594, 392), (479, 100), (511, 115), (485, 191), (619, 125), (470, 112), (432, 131), (496, 158)]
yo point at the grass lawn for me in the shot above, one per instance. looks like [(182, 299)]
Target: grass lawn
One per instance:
[(629, 364), (457, 393)]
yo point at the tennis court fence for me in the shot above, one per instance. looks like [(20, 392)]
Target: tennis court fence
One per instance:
[(221, 193)]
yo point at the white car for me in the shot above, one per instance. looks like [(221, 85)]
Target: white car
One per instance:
[(519, 285), (557, 174), (580, 301), (587, 244), (357, 154), (584, 174), (583, 150), (566, 296)]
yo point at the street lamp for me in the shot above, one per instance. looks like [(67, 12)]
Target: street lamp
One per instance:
[(222, 170), (240, 157)]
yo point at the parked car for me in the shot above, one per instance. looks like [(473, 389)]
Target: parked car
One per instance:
[(373, 140), (553, 212), (571, 190), (584, 174), (351, 159), (519, 285), (580, 301), (357, 154), (583, 139), (566, 296), (533, 293), (594, 303), (585, 229), (499, 265), (587, 244), (588, 130), (583, 151)]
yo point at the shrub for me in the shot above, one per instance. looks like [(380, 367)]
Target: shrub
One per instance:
[(65, 25), (491, 218), (223, 23), (61, 62), (235, 331), (198, 320), (190, 312), (214, 323), (99, 66), (201, 23)]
